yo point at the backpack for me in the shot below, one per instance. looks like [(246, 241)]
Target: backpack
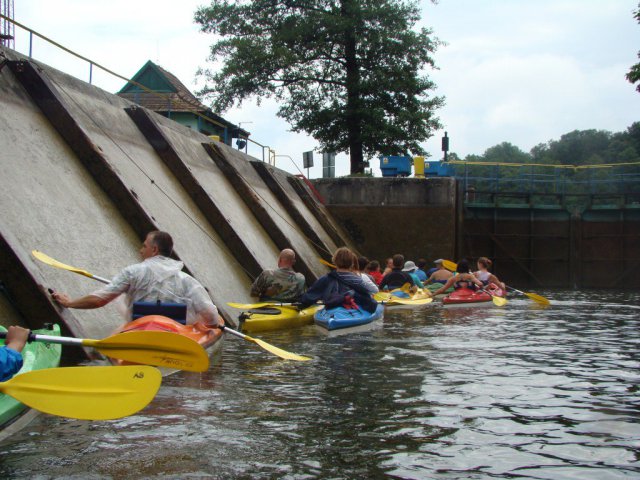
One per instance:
[(344, 300)]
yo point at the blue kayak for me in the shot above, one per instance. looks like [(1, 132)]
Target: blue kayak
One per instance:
[(340, 317)]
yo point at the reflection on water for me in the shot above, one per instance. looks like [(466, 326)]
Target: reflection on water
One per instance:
[(520, 392)]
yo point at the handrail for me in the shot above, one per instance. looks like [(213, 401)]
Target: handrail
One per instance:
[(117, 75)]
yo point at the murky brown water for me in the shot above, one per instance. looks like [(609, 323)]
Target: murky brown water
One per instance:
[(521, 392)]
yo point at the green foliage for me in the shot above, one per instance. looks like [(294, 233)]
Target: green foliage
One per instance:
[(543, 172), (350, 73), (634, 72)]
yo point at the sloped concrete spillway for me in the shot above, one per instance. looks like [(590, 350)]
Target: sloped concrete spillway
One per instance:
[(85, 174)]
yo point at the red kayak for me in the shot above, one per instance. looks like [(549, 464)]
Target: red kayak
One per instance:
[(209, 338), (467, 297)]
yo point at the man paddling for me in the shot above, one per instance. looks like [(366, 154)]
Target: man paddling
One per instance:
[(10, 356), (282, 284), (156, 278)]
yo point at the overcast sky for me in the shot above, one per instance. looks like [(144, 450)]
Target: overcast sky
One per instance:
[(520, 71)]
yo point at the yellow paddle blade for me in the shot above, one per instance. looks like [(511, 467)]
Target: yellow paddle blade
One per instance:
[(449, 265), (44, 258), (498, 301), (270, 348), (278, 351), (538, 298), (328, 264), (163, 349), (86, 393)]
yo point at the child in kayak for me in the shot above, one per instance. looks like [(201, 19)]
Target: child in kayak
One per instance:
[(10, 356)]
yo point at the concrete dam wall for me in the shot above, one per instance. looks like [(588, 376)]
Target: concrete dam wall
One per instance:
[(86, 174), (418, 217)]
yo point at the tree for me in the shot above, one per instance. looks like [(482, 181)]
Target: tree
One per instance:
[(580, 147), (350, 73), (634, 73), (506, 153)]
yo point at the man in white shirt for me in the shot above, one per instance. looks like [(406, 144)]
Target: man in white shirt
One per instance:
[(156, 278)]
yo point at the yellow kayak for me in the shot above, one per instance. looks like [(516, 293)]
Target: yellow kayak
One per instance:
[(276, 317), (397, 298)]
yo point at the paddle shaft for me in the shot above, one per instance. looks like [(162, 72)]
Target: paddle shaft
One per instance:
[(533, 296), (50, 339), (224, 328), (268, 347)]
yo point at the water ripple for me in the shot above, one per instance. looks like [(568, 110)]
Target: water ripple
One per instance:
[(521, 392)]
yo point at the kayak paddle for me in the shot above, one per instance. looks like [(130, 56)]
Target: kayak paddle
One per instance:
[(86, 393), (533, 296), (268, 347), (328, 264), (43, 257), (497, 301), (449, 265), (162, 349), (275, 350), (245, 306)]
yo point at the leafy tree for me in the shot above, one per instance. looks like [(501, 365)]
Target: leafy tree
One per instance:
[(505, 152), (580, 147), (634, 73), (348, 72)]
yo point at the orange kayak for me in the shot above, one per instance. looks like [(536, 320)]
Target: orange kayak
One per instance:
[(209, 338)]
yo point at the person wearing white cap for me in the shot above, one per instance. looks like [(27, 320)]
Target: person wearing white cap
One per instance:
[(410, 267), (441, 274)]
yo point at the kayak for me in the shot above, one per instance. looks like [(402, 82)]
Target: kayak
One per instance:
[(468, 297), (432, 287), (275, 317), (399, 299), (340, 317), (35, 356), (209, 338)]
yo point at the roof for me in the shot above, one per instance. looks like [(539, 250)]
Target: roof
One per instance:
[(168, 95)]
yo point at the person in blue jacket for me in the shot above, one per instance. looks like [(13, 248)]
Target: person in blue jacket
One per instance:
[(340, 282), (10, 356)]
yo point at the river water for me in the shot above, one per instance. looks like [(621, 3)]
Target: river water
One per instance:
[(515, 392)]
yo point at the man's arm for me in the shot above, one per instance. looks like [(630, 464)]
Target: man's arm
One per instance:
[(87, 302), (257, 287)]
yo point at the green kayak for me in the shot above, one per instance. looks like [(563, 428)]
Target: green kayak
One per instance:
[(432, 287), (35, 356)]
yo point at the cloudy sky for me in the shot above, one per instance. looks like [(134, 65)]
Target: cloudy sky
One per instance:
[(520, 71)]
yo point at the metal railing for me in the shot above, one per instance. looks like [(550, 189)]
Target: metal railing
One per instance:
[(92, 65)]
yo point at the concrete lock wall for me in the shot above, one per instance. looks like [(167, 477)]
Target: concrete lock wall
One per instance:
[(417, 217), (85, 174)]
